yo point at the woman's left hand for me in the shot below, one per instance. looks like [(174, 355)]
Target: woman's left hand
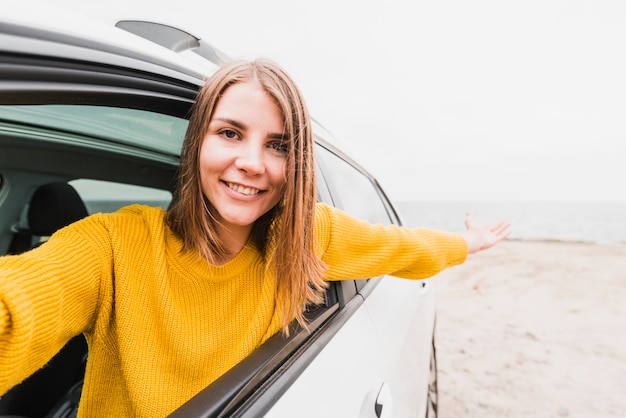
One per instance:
[(480, 237)]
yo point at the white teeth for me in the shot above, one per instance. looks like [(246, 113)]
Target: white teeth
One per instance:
[(242, 189)]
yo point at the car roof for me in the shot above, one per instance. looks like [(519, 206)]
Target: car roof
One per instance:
[(48, 28)]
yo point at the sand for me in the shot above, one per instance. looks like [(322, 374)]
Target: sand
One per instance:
[(533, 329)]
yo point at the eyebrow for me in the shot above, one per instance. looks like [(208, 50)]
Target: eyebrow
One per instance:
[(281, 136), (233, 122)]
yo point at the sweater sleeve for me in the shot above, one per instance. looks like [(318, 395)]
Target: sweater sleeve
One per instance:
[(47, 296), (356, 249)]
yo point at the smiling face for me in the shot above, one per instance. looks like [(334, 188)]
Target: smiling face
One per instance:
[(243, 158)]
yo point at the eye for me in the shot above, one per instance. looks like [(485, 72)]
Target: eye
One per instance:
[(280, 146), (229, 134)]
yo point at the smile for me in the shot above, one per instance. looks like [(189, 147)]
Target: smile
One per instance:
[(248, 191)]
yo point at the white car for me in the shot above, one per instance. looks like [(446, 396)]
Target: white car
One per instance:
[(93, 118)]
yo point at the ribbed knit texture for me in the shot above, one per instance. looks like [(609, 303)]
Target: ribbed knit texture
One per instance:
[(162, 325)]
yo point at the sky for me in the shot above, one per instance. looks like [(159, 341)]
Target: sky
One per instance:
[(441, 100)]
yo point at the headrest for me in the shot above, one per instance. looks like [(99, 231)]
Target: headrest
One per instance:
[(53, 206)]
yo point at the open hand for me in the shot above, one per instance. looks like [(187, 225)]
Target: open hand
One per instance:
[(480, 237)]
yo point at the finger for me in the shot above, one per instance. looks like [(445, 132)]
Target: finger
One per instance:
[(469, 220), (498, 226), (501, 230)]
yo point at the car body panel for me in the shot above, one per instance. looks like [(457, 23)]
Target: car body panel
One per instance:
[(405, 331), (343, 379)]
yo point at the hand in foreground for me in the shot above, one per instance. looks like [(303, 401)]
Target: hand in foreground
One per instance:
[(480, 237)]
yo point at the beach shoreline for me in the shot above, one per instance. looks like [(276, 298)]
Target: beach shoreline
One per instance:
[(533, 329)]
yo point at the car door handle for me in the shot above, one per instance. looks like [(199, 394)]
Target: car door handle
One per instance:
[(383, 404)]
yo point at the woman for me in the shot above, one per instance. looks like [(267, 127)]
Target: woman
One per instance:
[(169, 301)]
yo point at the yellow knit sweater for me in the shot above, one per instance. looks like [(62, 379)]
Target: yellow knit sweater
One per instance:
[(162, 325)]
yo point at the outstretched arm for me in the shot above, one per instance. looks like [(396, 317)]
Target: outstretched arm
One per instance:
[(480, 237)]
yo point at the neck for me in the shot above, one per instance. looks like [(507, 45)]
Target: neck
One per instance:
[(233, 240)]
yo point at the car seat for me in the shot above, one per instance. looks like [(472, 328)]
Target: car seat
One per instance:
[(52, 207)]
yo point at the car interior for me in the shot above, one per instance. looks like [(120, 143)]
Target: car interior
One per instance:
[(45, 185)]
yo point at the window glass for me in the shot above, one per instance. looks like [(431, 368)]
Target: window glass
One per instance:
[(148, 130), (352, 191), (106, 196), (3, 192)]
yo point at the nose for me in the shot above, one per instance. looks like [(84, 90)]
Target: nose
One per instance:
[(250, 159)]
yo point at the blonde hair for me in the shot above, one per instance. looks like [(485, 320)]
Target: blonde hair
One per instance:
[(285, 234)]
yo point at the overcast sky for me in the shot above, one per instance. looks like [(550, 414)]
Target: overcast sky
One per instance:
[(446, 99)]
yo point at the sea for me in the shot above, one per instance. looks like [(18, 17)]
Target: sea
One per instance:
[(585, 222)]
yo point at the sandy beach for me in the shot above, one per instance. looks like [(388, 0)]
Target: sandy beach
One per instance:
[(534, 329)]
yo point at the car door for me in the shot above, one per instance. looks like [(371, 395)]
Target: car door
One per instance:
[(401, 311)]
